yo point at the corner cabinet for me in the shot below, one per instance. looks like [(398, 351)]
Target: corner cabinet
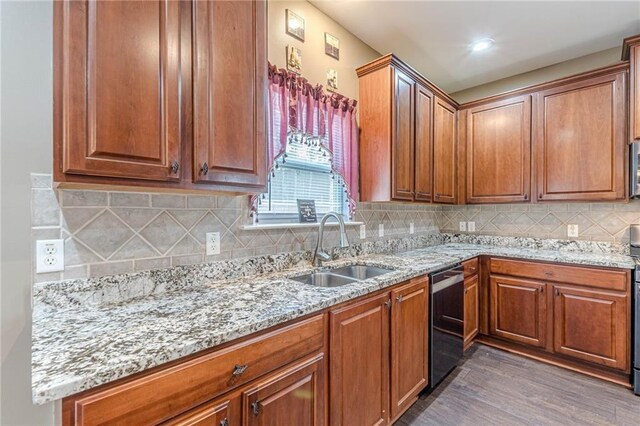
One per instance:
[(408, 137), (126, 75)]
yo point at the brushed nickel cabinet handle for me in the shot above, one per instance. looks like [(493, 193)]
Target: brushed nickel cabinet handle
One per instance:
[(204, 169), (224, 422), (399, 299), (175, 166), (239, 369), (388, 304), (256, 407)]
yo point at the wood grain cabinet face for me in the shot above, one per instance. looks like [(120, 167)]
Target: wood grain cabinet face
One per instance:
[(403, 137), (592, 325), (518, 310), (291, 398), (409, 344), (229, 92), (444, 152), (498, 151), (579, 140), (359, 347), (471, 309), (222, 412), (634, 72), (423, 144), (117, 89)]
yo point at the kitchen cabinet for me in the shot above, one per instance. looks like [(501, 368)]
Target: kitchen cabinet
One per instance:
[(471, 309), (592, 324), (445, 145), (579, 141), (230, 92), (409, 344), (518, 310), (631, 52), (146, 94), (408, 135), (498, 146), (221, 412)]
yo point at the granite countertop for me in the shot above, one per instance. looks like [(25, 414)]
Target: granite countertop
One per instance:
[(79, 347)]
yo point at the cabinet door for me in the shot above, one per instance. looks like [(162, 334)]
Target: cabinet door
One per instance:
[(471, 309), (444, 152), (498, 151), (116, 94), (229, 92), (290, 398), (518, 310), (359, 347), (592, 325), (634, 101), (402, 146), (409, 343), (424, 144), (221, 412), (579, 139)]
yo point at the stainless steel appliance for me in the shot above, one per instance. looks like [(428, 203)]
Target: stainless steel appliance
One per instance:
[(634, 239), (447, 322), (634, 173)]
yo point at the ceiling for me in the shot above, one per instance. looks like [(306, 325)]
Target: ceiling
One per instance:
[(434, 37)]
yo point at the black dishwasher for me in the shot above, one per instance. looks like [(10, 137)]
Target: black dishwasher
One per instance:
[(446, 329)]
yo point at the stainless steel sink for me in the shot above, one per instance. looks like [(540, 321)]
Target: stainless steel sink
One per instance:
[(324, 279), (360, 272)]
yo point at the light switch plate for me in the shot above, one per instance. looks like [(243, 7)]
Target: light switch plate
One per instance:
[(471, 226), (49, 256), (213, 243), (463, 226), (381, 230), (572, 230), (363, 232), (411, 228)]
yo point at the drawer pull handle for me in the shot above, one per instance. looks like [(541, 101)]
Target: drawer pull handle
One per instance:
[(399, 299), (388, 303), (549, 274), (175, 166), (255, 407), (204, 169), (224, 422), (239, 369)]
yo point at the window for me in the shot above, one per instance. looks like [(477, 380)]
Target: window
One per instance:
[(304, 174)]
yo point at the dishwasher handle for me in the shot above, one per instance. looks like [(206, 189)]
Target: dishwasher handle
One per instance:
[(446, 279)]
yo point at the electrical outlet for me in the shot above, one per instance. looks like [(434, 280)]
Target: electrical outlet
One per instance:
[(471, 226), (463, 226), (213, 243), (363, 232), (49, 256), (572, 231), (412, 229), (381, 230)]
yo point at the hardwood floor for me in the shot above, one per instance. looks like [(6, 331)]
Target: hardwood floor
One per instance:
[(492, 387)]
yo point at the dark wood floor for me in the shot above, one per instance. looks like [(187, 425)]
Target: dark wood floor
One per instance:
[(492, 387)]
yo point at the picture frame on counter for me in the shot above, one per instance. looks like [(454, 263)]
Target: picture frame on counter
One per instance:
[(332, 46), (294, 60), (294, 25)]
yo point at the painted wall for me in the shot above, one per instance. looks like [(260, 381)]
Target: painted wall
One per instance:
[(541, 75), (26, 135), (353, 51)]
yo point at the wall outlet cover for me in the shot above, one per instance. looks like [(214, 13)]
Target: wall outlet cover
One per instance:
[(49, 256), (363, 232), (463, 226), (572, 230), (381, 230), (471, 226), (213, 243), (412, 229)]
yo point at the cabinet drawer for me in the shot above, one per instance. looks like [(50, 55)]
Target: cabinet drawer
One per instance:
[(470, 267), (611, 279), (167, 393)]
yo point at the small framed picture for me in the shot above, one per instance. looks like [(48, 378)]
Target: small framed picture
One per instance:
[(332, 46), (295, 25), (332, 80), (307, 211), (294, 59)]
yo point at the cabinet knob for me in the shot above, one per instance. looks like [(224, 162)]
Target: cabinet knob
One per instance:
[(256, 407), (388, 304), (204, 169), (224, 422), (557, 292), (175, 166), (399, 299), (239, 369), (526, 196)]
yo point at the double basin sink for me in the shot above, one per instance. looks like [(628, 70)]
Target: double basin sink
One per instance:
[(341, 276)]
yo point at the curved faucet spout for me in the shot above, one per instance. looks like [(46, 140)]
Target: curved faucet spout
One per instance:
[(319, 254)]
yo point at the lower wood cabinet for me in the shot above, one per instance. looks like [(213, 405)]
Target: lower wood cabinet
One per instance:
[(221, 412), (518, 310), (471, 309)]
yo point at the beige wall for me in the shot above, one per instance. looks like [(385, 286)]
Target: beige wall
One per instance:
[(541, 75), (353, 51)]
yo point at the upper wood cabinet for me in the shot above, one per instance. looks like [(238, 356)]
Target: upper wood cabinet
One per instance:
[(579, 140), (408, 135), (147, 93), (498, 149), (229, 92), (445, 145), (631, 52), (117, 89)]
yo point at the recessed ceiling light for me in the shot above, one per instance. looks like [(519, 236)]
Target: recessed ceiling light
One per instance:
[(482, 44)]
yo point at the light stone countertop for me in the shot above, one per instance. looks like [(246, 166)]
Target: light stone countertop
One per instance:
[(83, 346)]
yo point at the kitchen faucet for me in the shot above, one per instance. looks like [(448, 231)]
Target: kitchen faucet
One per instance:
[(319, 255)]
